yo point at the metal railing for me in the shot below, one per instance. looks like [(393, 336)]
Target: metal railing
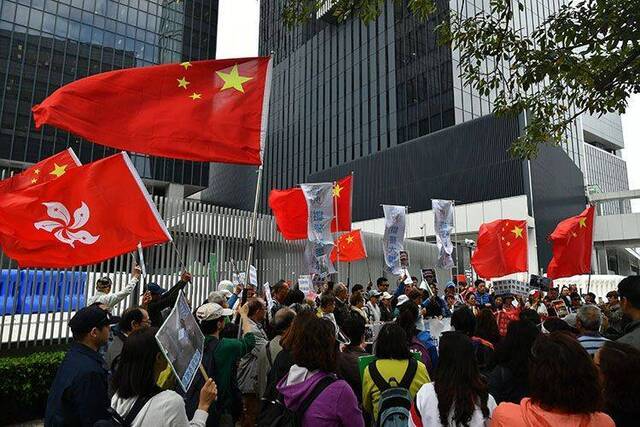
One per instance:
[(212, 241)]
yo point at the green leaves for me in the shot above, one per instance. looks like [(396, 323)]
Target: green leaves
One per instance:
[(585, 57)]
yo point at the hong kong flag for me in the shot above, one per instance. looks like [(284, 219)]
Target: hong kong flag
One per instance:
[(47, 170), (572, 245), (90, 214), (290, 209), (211, 111), (349, 247), (502, 248)]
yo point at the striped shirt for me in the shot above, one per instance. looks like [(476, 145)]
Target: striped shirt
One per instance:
[(592, 343)]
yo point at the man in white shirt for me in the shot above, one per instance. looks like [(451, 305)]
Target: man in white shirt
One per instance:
[(371, 308), (103, 293)]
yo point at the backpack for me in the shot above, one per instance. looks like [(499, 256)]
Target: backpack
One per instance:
[(116, 419), (395, 401), (276, 414)]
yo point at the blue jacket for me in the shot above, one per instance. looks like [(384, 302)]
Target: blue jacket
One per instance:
[(78, 395), (425, 338), (483, 299)]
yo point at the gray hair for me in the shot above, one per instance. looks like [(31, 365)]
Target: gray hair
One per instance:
[(590, 317)]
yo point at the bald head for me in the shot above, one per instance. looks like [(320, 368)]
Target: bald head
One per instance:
[(589, 318), (283, 319), (340, 291)]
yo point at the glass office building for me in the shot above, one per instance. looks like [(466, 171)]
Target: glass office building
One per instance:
[(45, 44)]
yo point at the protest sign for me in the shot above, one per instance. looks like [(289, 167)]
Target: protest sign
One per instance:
[(267, 296), (404, 259), (304, 284), (511, 287), (443, 226), (561, 307), (253, 275), (393, 240), (181, 342)]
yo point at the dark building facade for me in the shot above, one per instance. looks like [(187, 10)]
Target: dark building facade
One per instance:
[(45, 44), (468, 163)]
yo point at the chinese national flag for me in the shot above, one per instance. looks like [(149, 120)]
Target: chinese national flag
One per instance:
[(211, 111), (47, 170), (349, 247), (502, 248), (90, 214), (572, 242), (290, 209)]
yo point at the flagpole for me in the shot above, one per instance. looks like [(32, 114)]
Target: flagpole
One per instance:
[(349, 276), (180, 261), (368, 269), (335, 215), (254, 224)]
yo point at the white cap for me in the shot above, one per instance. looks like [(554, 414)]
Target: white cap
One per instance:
[(212, 311), (227, 285), (401, 300), (386, 295)]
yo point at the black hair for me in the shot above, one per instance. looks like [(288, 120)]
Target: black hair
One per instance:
[(327, 299), (353, 326), (553, 324), (230, 330), (391, 343), (255, 304), (330, 285), (295, 296), (457, 380), (478, 282), (135, 373), (463, 320), (408, 315), (621, 390), (279, 285), (629, 288), (531, 315), (514, 351), (210, 327), (130, 315), (381, 280), (487, 326), (357, 288)]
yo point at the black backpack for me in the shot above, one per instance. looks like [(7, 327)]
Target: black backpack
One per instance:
[(394, 404), (276, 414), (116, 419)]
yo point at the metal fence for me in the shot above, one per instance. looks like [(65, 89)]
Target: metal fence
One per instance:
[(211, 241)]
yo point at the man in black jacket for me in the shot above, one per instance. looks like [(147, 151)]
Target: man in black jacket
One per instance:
[(341, 312), (78, 395), (161, 299)]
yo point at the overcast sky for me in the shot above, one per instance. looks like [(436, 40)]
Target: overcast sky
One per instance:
[(238, 22)]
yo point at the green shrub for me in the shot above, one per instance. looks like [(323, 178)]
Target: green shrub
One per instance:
[(24, 384)]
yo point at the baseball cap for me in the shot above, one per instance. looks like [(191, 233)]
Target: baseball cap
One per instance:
[(90, 317), (212, 311), (450, 284), (374, 293), (155, 289), (401, 300), (103, 282), (226, 285), (386, 295)]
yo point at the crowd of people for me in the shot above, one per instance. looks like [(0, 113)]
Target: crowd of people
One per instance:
[(311, 359)]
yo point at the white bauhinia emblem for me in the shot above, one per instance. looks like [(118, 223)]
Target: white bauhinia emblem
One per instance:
[(61, 226)]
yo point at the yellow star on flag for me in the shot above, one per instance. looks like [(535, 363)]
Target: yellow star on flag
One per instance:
[(336, 190), (34, 180), (186, 65), (583, 222), (37, 171), (195, 96), (183, 83), (349, 239), (233, 79), (58, 171), (517, 231)]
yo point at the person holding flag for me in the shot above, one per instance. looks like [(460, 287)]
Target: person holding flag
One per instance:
[(104, 295)]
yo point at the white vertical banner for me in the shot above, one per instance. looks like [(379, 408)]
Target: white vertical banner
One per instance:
[(393, 240), (319, 199), (443, 226), (253, 275)]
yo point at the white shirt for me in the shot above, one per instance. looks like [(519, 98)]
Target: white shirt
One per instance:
[(427, 406), (373, 311), (165, 409), (114, 298)]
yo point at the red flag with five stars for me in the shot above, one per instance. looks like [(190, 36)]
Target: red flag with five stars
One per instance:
[(572, 242), (47, 170), (502, 248), (289, 208), (349, 247), (91, 213), (214, 111)]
